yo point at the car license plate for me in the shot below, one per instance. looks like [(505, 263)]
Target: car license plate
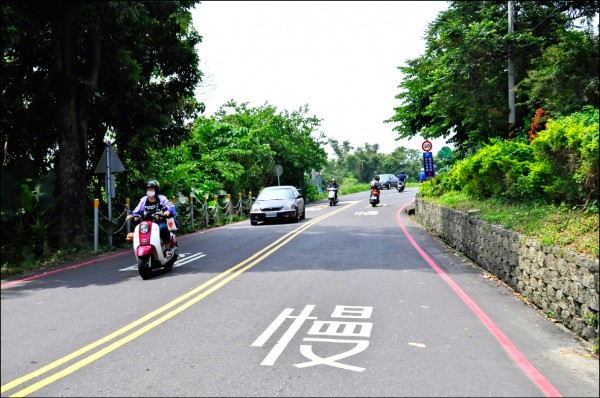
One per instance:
[(271, 214)]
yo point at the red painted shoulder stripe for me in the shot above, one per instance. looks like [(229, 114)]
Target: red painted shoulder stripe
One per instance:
[(530, 370)]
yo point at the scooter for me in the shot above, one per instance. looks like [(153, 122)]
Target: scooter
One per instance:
[(148, 248), (374, 197), (400, 186), (332, 194)]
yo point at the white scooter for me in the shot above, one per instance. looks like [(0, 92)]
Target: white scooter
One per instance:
[(332, 195), (149, 250), (400, 186)]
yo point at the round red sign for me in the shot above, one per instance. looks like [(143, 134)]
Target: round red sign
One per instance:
[(426, 146)]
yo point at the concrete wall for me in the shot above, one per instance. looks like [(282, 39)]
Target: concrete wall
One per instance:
[(563, 282)]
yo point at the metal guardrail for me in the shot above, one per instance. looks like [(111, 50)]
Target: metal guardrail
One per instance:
[(213, 214)]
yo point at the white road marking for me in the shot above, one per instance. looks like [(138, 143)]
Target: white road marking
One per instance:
[(189, 259), (366, 213), (182, 259)]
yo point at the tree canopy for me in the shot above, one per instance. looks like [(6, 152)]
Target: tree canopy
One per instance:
[(237, 148), (458, 89), (75, 73)]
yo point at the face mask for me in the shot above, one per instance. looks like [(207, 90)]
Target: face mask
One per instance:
[(150, 193)]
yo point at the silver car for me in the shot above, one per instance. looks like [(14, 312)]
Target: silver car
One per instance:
[(283, 202)]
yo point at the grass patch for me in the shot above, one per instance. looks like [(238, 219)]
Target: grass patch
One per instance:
[(571, 228)]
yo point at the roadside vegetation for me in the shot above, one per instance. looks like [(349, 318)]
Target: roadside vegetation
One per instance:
[(546, 189)]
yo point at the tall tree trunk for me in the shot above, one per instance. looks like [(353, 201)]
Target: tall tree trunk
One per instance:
[(74, 89), (71, 173)]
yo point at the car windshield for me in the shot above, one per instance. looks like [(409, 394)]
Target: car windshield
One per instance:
[(275, 194)]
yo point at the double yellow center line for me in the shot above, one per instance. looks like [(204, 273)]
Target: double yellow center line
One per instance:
[(200, 292)]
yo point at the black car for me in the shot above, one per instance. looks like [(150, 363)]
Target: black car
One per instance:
[(283, 202), (388, 180)]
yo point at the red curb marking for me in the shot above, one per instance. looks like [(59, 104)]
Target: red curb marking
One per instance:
[(7, 284), (530, 370)]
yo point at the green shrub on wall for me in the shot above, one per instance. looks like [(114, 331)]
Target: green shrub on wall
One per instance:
[(494, 171), (560, 165), (567, 153)]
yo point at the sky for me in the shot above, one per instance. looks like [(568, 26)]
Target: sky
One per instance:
[(340, 58)]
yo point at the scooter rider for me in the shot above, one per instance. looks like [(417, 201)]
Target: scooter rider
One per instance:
[(402, 177), (375, 183), (335, 185), (152, 203), (422, 175)]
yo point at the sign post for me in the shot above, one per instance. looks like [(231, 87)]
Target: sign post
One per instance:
[(109, 163)]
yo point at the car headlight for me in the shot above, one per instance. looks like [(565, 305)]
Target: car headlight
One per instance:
[(144, 228), (287, 207), (255, 208)]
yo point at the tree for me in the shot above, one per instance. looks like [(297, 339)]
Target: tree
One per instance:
[(75, 72), (565, 77), (458, 88), (237, 148), (293, 137), (342, 150), (403, 159)]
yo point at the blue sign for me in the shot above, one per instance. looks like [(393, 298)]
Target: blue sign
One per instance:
[(428, 164)]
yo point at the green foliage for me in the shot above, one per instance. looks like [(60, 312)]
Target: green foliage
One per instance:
[(365, 162), (458, 87), (565, 77), (310, 192), (560, 165), (75, 73), (591, 319), (495, 170), (567, 156), (236, 150), (436, 186), (28, 218)]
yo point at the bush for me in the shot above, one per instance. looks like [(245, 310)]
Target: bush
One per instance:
[(567, 157), (494, 171), (560, 165), (310, 192)]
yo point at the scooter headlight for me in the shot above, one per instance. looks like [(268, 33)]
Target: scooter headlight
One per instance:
[(144, 228)]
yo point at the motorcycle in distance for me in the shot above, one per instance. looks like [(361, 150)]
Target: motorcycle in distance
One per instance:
[(374, 196), (400, 186), (332, 194), (148, 248)]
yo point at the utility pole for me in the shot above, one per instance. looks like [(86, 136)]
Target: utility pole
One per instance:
[(511, 72), (108, 188)]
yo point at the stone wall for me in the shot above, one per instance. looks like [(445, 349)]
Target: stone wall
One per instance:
[(554, 280)]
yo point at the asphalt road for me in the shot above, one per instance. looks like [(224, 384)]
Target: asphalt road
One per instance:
[(351, 301)]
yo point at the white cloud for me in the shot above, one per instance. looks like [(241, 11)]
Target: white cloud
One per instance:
[(340, 58)]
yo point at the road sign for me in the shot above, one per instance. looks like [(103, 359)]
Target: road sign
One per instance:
[(114, 164), (278, 172), (445, 152), (428, 164), (426, 145)]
